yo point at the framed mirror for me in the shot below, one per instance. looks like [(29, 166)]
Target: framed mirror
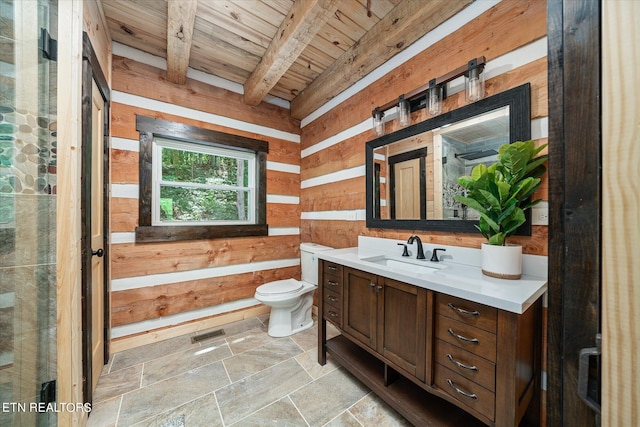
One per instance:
[(412, 173)]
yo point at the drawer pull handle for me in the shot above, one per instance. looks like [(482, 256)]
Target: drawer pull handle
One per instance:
[(332, 267), (332, 314), (372, 285), (332, 283), (462, 392), (460, 337), (463, 311), (332, 298), (461, 365)]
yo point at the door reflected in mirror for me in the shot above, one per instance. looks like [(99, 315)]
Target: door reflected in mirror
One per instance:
[(444, 154)]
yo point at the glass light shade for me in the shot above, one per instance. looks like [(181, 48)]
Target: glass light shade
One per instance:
[(378, 123), (474, 85), (404, 112), (434, 100)]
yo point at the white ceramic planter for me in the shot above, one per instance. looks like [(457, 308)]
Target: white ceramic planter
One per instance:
[(503, 262)]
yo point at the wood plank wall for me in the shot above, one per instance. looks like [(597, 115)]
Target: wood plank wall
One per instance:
[(505, 28), (162, 284)]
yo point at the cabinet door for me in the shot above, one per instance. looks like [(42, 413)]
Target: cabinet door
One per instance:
[(402, 310), (359, 315)]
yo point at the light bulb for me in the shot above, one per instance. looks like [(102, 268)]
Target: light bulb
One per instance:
[(404, 112), (434, 99), (378, 123), (474, 84)]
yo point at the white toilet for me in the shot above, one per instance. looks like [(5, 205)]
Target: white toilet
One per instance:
[(290, 299)]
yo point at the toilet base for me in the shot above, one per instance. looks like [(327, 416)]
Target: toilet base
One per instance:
[(284, 322)]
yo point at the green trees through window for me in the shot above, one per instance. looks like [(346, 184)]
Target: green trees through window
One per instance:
[(203, 187)]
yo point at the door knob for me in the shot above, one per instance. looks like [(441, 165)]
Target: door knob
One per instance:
[(99, 253)]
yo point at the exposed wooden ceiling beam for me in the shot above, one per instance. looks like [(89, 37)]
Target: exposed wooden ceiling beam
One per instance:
[(181, 16), (401, 27), (300, 26)]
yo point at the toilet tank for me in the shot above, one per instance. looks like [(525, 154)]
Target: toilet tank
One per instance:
[(309, 261)]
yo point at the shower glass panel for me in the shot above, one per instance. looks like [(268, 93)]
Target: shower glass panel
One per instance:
[(27, 212)]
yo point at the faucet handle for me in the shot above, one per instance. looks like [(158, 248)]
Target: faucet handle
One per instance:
[(434, 256), (404, 251)]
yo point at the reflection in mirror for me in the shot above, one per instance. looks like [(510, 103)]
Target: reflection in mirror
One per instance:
[(458, 149), (412, 174)]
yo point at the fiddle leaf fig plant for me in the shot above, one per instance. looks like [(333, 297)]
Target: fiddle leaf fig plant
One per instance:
[(501, 192)]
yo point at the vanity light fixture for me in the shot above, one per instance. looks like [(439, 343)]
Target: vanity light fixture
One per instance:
[(432, 95), (378, 123), (404, 112), (474, 81)]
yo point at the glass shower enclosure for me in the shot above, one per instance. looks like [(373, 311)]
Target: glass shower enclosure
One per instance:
[(28, 93)]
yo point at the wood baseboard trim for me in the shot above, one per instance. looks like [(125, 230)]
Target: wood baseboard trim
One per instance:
[(132, 341)]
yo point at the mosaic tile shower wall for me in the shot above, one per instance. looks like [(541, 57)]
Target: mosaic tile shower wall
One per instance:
[(27, 152)]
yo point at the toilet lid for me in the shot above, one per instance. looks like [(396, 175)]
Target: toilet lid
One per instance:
[(280, 287)]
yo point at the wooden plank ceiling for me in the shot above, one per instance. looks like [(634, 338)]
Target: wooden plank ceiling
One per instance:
[(303, 51)]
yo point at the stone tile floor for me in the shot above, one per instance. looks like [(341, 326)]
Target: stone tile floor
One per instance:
[(244, 378)]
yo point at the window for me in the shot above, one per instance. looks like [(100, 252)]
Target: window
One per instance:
[(199, 184)]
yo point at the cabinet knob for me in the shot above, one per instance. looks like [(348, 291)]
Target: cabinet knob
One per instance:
[(332, 298), (332, 314), (332, 283)]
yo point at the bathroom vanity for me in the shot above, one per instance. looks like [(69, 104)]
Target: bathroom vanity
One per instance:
[(439, 342)]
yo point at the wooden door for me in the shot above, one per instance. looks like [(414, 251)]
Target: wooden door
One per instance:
[(94, 226), (97, 235), (407, 189), (360, 304), (402, 314)]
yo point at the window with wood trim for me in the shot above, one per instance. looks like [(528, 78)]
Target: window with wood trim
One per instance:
[(199, 184)]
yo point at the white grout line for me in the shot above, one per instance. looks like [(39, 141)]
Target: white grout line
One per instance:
[(119, 409), (332, 177), (178, 110), (278, 198), (136, 282), (147, 325)]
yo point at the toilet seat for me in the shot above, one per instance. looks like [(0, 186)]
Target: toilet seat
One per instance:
[(280, 287)]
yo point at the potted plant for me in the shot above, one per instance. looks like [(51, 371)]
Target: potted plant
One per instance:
[(500, 193)]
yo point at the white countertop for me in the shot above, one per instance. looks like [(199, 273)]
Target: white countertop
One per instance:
[(457, 279)]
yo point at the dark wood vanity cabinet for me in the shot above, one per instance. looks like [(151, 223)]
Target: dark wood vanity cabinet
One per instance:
[(388, 317), (421, 347)]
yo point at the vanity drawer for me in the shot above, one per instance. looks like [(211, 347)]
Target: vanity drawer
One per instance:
[(466, 391), (472, 313), (333, 299), (332, 268), (332, 283), (333, 314), (466, 364), (469, 338)]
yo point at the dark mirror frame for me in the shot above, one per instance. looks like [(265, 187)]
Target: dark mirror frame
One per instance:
[(519, 101)]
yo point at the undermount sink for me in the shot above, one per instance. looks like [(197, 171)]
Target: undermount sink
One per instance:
[(405, 265)]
